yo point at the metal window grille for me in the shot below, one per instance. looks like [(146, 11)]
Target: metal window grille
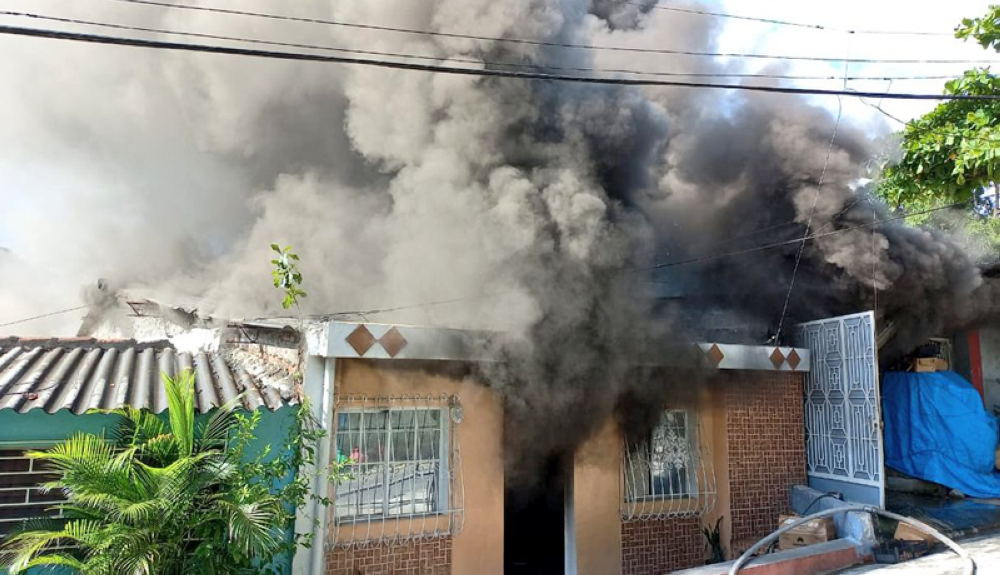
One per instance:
[(670, 473), (404, 469), (21, 494)]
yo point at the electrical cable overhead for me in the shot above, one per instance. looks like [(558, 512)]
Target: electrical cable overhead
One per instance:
[(215, 49), (474, 61), (774, 21), (812, 213), (44, 315), (796, 240), (525, 41)]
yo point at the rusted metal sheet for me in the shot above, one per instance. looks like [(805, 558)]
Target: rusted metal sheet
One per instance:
[(82, 374)]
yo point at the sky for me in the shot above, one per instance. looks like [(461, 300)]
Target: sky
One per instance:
[(889, 15), (28, 174)]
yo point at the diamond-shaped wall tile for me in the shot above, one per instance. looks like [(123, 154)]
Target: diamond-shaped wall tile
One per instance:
[(793, 359), (715, 354), (361, 339), (777, 358), (393, 342)]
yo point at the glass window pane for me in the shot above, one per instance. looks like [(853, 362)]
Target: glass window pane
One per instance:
[(373, 444), (429, 444), (431, 418), (349, 420), (413, 488), (402, 445), (363, 494), (402, 418), (348, 437), (661, 467), (395, 462)]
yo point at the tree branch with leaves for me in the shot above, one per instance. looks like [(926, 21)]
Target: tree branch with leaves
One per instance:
[(286, 275), (952, 153)]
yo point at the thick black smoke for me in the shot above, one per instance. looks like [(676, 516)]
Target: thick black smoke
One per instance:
[(536, 202)]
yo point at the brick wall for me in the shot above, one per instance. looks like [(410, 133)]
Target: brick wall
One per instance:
[(765, 431), (424, 557), (657, 546)]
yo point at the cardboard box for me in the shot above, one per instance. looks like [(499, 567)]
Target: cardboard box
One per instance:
[(810, 533), (941, 364), (907, 533), (925, 364)]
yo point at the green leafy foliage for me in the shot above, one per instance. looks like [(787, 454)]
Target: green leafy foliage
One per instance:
[(985, 30), (286, 275), (170, 497), (952, 154)]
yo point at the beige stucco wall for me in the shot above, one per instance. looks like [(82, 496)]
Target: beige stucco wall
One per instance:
[(478, 547), (597, 481), (599, 489), (714, 408)]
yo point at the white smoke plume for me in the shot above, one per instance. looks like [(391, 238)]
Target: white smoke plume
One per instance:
[(170, 174)]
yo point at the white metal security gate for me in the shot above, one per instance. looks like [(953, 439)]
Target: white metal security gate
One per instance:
[(843, 430)]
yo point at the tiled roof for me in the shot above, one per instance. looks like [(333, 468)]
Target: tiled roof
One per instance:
[(80, 374)]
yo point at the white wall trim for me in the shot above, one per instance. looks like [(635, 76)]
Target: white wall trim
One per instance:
[(319, 385)]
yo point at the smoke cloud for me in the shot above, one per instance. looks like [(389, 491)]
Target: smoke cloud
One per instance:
[(535, 202)]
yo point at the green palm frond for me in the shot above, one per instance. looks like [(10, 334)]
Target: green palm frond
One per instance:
[(53, 560), (160, 449), (252, 526), (166, 495), (215, 430), (180, 409), (136, 426)]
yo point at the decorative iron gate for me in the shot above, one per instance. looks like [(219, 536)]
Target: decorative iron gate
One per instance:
[(843, 429)]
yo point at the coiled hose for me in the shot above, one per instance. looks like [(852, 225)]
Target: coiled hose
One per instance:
[(970, 565)]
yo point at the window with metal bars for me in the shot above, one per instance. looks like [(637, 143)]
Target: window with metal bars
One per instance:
[(398, 463), (663, 466), (21, 495)]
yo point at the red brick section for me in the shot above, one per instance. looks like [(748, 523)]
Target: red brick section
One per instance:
[(425, 557), (657, 546), (765, 428)]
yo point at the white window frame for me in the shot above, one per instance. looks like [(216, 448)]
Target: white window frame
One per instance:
[(691, 489), (442, 504)]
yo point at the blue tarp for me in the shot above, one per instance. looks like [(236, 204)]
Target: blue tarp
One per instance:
[(937, 429)]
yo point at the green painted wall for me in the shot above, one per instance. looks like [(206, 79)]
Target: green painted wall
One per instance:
[(39, 426)]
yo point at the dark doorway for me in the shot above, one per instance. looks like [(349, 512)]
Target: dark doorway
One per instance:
[(533, 525)]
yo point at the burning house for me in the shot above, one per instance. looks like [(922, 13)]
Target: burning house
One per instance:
[(439, 479), (565, 246)]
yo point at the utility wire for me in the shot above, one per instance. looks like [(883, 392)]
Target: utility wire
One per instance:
[(796, 240), (783, 22), (364, 313), (524, 41), (412, 306), (812, 213), (443, 58), (214, 49), (44, 315)]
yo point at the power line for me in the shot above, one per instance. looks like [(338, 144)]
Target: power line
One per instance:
[(524, 41), (213, 49), (44, 315), (536, 67), (412, 306), (796, 240), (812, 213), (784, 22)]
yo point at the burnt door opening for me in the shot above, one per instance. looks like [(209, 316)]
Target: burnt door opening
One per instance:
[(534, 516)]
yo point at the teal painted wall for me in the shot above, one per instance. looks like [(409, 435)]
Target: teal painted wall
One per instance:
[(42, 427)]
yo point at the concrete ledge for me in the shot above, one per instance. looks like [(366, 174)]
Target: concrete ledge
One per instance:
[(812, 560)]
